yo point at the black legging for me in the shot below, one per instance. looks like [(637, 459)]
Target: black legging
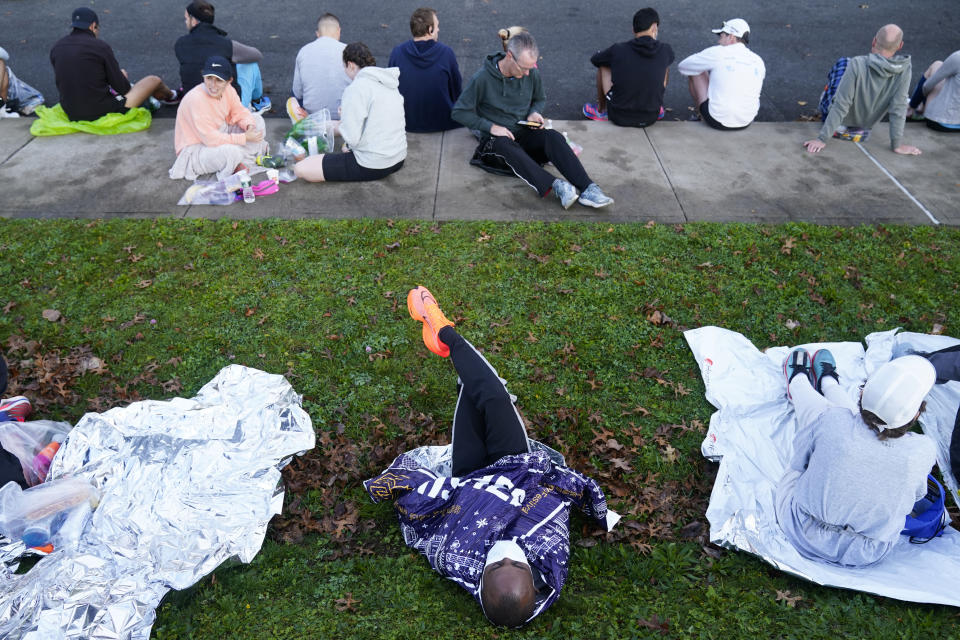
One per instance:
[(947, 363), (486, 425), (533, 148)]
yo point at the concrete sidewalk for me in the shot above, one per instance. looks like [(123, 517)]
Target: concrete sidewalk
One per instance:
[(672, 172)]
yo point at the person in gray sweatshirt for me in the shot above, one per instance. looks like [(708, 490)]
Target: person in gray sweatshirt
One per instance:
[(371, 124), (937, 96), (872, 86), (856, 471), (502, 104)]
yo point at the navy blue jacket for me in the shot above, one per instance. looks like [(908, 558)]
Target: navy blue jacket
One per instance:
[(193, 49), (430, 83)]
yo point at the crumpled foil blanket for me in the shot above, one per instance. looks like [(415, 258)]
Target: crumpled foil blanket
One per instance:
[(751, 435), (187, 484)]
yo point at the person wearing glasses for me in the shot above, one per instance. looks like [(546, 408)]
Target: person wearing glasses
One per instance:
[(502, 105), (725, 79), (491, 511)]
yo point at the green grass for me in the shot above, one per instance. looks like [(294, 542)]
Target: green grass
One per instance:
[(585, 323)]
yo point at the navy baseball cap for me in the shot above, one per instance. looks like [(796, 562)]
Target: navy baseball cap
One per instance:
[(217, 66), (84, 17)]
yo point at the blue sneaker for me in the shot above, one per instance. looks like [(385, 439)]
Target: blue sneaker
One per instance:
[(822, 365), (592, 196), (261, 106), (591, 111), (566, 192), (797, 363)]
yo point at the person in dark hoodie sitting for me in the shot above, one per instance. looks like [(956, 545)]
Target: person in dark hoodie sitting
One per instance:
[(205, 40), (430, 79), (632, 76)]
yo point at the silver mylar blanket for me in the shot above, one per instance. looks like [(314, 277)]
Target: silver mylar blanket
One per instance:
[(751, 435), (187, 484)]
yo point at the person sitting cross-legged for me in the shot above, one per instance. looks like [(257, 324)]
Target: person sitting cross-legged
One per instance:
[(502, 105), (214, 132), (496, 521), (632, 76)]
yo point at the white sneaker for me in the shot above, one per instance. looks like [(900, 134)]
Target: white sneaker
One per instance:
[(4, 113)]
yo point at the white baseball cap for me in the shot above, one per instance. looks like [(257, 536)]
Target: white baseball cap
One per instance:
[(894, 392), (736, 27)]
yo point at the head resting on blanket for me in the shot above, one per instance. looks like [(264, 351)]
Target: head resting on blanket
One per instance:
[(893, 397), (507, 592)]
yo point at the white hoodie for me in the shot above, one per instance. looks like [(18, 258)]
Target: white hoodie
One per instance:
[(372, 121)]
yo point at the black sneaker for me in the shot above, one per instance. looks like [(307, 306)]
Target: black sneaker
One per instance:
[(796, 364), (822, 365)]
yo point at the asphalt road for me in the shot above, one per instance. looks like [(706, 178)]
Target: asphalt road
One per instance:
[(798, 41)]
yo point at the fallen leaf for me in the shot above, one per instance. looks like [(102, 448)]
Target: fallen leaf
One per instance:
[(143, 284), (937, 329), (788, 245), (786, 598), (51, 314), (258, 253), (791, 324), (802, 103), (347, 603)]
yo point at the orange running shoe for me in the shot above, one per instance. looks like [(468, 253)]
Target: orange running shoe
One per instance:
[(423, 308)]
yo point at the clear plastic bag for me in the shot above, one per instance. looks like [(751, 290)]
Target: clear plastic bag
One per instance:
[(208, 192), (31, 443), (53, 513), (314, 133)]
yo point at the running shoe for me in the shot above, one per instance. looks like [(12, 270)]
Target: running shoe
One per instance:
[(175, 98), (592, 196), (796, 363), (17, 408), (262, 105), (566, 192), (822, 365), (591, 111), (423, 308), (292, 110)]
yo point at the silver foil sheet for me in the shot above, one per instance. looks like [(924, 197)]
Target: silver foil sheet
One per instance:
[(186, 484), (751, 435)]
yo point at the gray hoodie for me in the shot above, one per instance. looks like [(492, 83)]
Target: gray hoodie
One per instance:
[(372, 121), (871, 86)]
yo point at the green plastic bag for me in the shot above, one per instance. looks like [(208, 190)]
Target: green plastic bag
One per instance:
[(53, 121)]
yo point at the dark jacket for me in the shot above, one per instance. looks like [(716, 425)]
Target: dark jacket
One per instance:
[(490, 98), (85, 70), (429, 82), (193, 49), (637, 68)]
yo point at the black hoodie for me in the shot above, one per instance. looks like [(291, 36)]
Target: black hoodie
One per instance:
[(638, 68)]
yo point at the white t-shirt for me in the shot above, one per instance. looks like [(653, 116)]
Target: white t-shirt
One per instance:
[(736, 77)]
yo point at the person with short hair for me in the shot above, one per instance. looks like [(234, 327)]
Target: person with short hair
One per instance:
[(89, 78), (318, 75), (632, 76), (502, 105), (204, 40), (857, 470), (491, 511), (16, 96), (725, 80), (871, 86), (937, 96), (430, 81), (214, 132), (371, 125)]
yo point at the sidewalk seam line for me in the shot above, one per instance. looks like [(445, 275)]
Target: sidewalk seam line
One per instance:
[(897, 182), (436, 189), (666, 175), (18, 150)]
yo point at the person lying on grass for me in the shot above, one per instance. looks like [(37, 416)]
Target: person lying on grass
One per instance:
[(857, 471), (498, 525)]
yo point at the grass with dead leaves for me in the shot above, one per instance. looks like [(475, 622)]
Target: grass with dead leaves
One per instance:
[(584, 321)]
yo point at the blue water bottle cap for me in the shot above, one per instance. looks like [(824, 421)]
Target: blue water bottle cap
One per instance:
[(36, 536)]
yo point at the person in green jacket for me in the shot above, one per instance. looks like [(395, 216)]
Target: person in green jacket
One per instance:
[(872, 85), (502, 105)]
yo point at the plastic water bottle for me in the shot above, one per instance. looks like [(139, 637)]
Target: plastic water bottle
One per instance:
[(247, 186)]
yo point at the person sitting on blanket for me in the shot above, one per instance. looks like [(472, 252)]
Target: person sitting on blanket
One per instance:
[(498, 526), (856, 472), (89, 78), (214, 131), (946, 362)]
